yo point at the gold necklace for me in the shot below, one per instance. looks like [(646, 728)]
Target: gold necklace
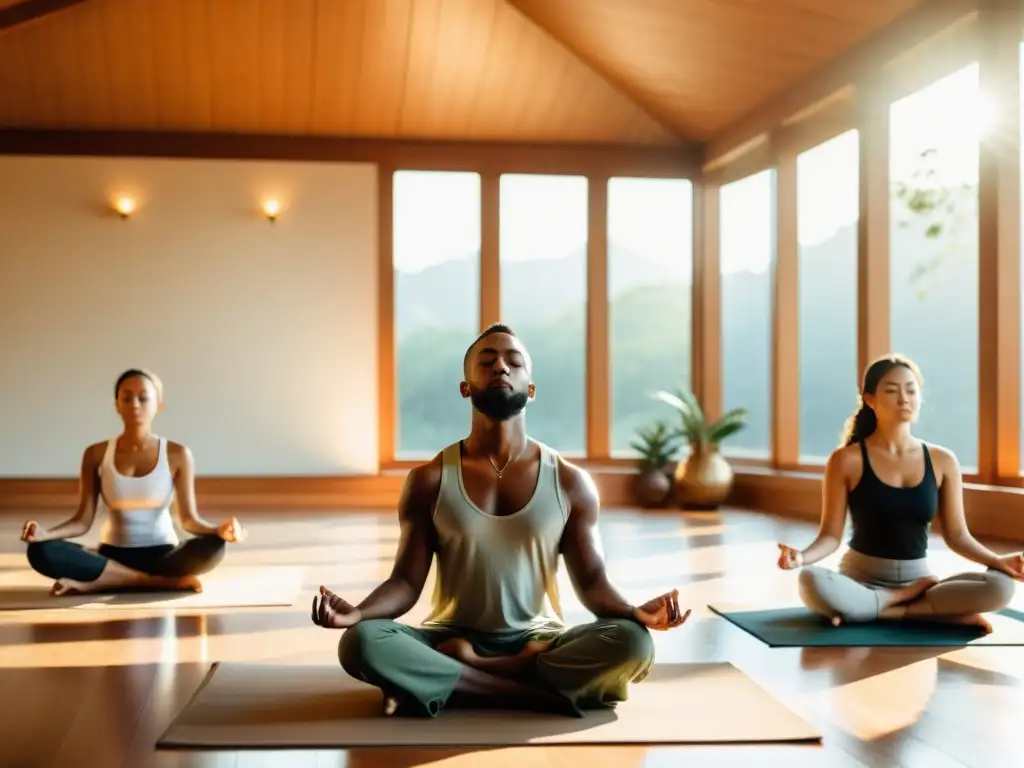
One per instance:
[(500, 472)]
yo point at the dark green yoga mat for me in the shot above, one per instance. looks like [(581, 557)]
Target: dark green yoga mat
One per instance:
[(800, 628)]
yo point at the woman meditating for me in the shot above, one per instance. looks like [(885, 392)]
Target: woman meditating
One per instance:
[(894, 486), (138, 476)]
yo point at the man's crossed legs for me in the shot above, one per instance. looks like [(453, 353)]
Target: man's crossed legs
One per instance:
[(589, 666)]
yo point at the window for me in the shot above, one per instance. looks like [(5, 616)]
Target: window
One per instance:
[(437, 304), (543, 246), (747, 238), (934, 137), (828, 206), (650, 265)]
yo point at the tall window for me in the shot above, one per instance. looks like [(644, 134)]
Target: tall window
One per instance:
[(827, 211), (437, 299), (934, 253), (650, 265), (543, 245), (747, 238)]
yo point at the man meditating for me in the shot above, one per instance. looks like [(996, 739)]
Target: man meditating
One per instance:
[(498, 509)]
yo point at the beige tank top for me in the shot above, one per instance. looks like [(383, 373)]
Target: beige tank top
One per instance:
[(497, 574)]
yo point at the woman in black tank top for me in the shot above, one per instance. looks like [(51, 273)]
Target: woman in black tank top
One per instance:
[(894, 486)]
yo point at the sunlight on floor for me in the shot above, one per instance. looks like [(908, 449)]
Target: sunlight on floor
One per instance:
[(854, 705)]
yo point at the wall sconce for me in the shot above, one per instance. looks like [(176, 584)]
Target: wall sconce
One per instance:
[(271, 208), (125, 206)]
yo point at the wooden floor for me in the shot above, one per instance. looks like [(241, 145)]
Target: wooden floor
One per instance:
[(77, 689)]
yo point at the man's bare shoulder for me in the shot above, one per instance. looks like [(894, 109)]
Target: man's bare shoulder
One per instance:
[(422, 485), (578, 486)]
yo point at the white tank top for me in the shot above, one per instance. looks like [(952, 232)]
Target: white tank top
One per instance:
[(498, 574), (139, 508)]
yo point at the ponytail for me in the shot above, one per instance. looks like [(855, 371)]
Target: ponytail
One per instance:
[(859, 425)]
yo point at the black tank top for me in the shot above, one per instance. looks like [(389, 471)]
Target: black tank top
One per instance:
[(892, 522)]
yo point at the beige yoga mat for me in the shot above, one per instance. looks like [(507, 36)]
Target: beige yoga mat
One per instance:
[(277, 706), (229, 586)]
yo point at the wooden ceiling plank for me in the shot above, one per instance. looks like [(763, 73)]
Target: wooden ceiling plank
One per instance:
[(388, 24), (339, 42), (599, 68), (698, 65), (926, 20)]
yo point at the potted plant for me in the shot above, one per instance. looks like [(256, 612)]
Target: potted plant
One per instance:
[(703, 478), (657, 445)]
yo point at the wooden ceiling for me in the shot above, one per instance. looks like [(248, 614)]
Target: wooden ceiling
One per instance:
[(640, 72)]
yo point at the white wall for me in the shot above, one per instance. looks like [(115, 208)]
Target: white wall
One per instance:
[(265, 334)]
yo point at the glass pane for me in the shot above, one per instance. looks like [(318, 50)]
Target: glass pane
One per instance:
[(747, 238), (934, 136), (828, 207), (543, 241), (650, 266), (437, 304)]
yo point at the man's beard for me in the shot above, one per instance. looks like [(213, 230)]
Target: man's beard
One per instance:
[(499, 404)]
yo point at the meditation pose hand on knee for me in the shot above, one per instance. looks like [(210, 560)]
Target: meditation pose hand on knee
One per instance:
[(138, 475), (498, 510), (894, 486)]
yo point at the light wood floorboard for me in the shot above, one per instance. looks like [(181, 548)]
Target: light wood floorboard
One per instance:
[(80, 689)]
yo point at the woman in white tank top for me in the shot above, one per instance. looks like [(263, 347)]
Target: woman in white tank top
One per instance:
[(138, 475)]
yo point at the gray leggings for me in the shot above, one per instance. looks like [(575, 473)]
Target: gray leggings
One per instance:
[(853, 592)]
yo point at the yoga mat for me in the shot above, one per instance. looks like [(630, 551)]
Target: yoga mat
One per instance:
[(791, 627), (228, 586), (271, 706)]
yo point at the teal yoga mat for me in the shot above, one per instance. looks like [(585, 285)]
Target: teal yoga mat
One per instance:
[(791, 627)]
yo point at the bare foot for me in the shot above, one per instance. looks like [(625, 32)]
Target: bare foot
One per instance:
[(968, 620), (189, 583), (462, 650), (973, 620), (65, 587), (912, 591), (894, 602), (533, 647), (71, 587)]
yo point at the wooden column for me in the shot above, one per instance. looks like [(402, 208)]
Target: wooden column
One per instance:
[(386, 352), (999, 277), (706, 364), (873, 226), (490, 249), (598, 362), (785, 418)]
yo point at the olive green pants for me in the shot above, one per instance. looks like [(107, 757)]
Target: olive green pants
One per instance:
[(591, 665)]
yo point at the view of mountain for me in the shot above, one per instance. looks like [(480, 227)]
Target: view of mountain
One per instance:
[(933, 319)]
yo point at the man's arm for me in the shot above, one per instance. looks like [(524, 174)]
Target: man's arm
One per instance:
[(581, 547), (399, 593)]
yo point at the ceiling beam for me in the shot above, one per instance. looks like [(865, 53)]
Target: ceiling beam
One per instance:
[(682, 161), (926, 20), (27, 11)]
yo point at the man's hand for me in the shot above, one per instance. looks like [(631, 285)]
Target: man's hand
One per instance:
[(333, 612), (661, 613)]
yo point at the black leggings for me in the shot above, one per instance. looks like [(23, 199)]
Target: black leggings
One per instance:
[(63, 559)]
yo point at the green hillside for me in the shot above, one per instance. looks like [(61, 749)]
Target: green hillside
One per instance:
[(933, 319)]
